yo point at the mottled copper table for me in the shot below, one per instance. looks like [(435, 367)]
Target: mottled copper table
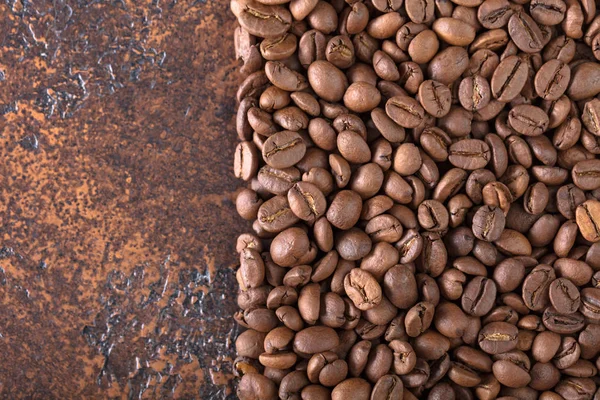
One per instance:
[(117, 224)]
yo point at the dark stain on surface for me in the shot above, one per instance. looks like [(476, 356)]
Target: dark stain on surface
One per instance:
[(117, 222)]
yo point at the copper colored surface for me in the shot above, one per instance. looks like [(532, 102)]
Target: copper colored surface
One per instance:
[(117, 225)]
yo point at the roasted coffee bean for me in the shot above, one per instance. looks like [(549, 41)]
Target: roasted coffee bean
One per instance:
[(488, 223), (498, 337), (562, 324), (479, 296), (552, 79)]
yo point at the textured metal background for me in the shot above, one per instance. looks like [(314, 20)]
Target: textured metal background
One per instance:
[(117, 224)]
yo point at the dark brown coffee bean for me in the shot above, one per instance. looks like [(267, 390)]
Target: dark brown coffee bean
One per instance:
[(469, 154), (385, 25), (344, 210), (448, 65), (454, 31), (488, 223), (418, 376), (564, 296), (511, 374), (405, 111), (509, 78), (463, 375), (479, 296), (327, 80), (562, 324), (267, 21), (552, 79), (588, 220), (433, 215), (590, 304), (353, 244), (388, 387), (525, 33), (528, 120), (536, 198), (498, 337), (256, 386), (419, 318), (352, 388), (362, 289), (423, 47), (493, 14), (450, 320), (420, 11)]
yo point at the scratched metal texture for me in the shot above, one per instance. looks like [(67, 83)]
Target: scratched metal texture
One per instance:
[(117, 223)]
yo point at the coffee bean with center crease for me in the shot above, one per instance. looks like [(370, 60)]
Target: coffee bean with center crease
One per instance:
[(362, 289), (405, 111), (474, 93), (283, 149), (525, 33), (488, 223), (588, 219), (479, 296), (552, 79), (469, 154), (498, 337), (433, 215), (590, 304), (528, 120), (564, 296), (276, 214), (267, 21)]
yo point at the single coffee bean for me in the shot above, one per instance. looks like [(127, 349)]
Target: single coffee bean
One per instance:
[(433, 215), (493, 14), (564, 296), (388, 387), (525, 33), (405, 111), (590, 304), (498, 337), (511, 374), (407, 159), (385, 25), (420, 11), (423, 47), (535, 199), (463, 376), (552, 79), (479, 296), (448, 65), (488, 223), (418, 376), (474, 93), (562, 324), (419, 318), (362, 289), (356, 388), (469, 154), (528, 120), (548, 12), (576, 388), (588, 220)]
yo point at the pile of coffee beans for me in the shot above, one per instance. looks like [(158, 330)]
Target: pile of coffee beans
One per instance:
[(423, 183)]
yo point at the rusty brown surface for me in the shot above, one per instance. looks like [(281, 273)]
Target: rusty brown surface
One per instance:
[(117, 224)]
